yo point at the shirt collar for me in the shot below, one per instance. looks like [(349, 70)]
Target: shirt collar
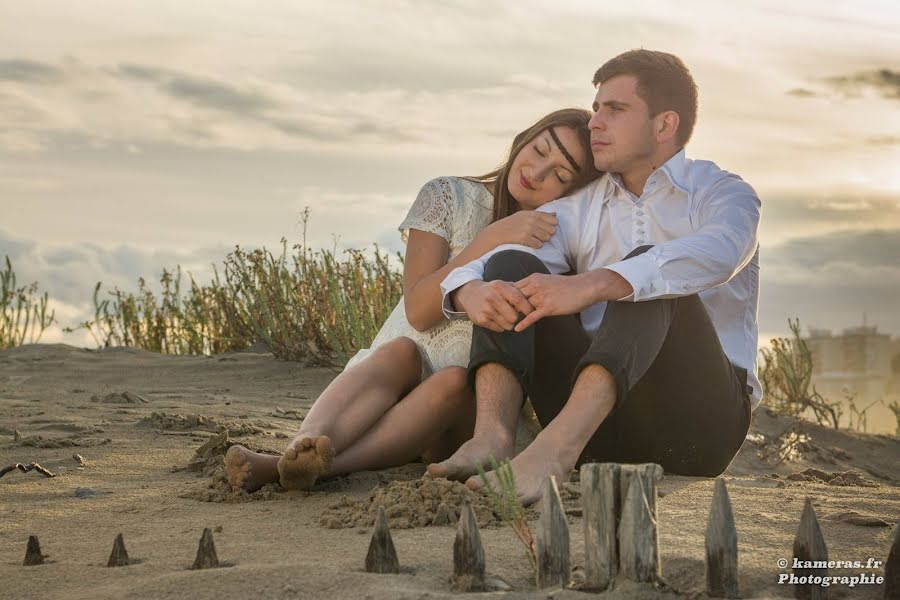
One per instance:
[(675, 169)]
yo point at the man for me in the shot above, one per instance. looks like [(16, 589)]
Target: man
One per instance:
[(661, 365)]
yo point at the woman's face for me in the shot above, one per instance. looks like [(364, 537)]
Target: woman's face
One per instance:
[(541, 172)]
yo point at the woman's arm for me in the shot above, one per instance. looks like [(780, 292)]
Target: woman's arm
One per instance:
[(425, 266), (426, 263)]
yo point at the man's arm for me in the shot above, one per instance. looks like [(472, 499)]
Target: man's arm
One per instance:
[(554, 253), (723, 243)]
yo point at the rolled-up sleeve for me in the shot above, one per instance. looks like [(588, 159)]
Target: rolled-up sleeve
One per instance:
[(723, 242)]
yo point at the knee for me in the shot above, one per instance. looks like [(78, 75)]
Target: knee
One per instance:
[(402, 351), (638, 250), (512, 265), (451, 379)]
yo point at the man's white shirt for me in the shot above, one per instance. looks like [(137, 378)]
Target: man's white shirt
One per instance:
[(702, 222)]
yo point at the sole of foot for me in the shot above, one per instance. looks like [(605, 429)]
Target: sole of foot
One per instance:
[(248, 470), (304, 461)]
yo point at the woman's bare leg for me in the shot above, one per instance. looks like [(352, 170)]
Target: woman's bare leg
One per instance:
[(434, 418), (348, 408)]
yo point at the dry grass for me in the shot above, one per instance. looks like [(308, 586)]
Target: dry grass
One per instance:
[(23, 311), (303, 305)]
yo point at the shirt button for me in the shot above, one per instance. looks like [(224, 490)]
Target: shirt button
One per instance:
[(640, 213), (640, 222)]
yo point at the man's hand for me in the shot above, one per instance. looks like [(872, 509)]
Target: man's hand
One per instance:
[(494, 305), (552, 295)]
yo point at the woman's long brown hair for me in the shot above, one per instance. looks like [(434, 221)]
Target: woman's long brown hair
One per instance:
[(575, 118)]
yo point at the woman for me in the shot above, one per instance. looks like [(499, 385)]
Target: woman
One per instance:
[(407, 395)]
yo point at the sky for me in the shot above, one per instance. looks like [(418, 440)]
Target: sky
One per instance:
[(136, 136)]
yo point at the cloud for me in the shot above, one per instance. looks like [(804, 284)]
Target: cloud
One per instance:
[(32, 71), (885, 81), (202, 91), (830, 280)]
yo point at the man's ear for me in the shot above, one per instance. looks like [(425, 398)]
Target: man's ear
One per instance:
[(667, 126)]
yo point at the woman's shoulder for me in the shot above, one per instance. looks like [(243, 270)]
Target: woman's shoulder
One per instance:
[(457, 191)]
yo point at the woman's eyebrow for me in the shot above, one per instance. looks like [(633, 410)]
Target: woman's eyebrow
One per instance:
[(564, 151)]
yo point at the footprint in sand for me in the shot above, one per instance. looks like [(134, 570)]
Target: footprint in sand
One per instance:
[(303, 461)]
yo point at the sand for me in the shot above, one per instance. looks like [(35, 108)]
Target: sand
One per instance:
[(151, 470)]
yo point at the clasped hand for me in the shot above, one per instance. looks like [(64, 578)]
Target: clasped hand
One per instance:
[(498, 305)]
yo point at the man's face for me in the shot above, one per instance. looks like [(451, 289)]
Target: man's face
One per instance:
[(622, 132)]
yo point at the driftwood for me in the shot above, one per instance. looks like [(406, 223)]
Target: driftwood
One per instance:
[(206, 552), (809, 545), (26, 468), (133, 398), (80, 460), (600, 502), (892, 568), (638, 535), (468, 554), (721, 546), (382, 556), (33, 554), (119, 556), (552, 540), (444, 515)]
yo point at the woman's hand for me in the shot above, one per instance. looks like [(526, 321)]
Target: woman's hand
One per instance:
[(527, 227)]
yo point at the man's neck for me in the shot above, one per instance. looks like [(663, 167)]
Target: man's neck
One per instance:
[(636, 177)]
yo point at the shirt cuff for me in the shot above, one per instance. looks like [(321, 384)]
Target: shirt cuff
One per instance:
[(643, 275), (455, 280)]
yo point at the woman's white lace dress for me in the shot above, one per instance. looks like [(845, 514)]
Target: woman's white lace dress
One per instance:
[(455, 209)]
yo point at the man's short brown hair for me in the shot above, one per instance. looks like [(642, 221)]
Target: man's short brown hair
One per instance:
[(663, 82)]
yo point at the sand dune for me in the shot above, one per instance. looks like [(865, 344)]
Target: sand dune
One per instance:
[(141, 477)]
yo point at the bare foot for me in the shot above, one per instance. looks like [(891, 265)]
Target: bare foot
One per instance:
[(305, 460), (250, 470), (530, 468), (479, 450)]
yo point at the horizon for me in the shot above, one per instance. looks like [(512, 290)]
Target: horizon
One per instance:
[(135, 138)]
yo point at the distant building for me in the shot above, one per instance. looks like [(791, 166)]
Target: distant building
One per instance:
[(858, 362)]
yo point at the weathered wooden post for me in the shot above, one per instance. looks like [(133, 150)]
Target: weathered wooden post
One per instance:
[(638, 535), (119, 556), (892, 568), (600, 509), (721, 546), (552, 540), (206, 552), (382, 556), (468, 554), (33, 554), (809, 545)]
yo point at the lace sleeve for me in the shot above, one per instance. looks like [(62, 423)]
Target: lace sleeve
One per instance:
[(432, 211)]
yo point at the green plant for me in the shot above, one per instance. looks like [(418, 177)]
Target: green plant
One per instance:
[(303, 305), (786, 376), (507, 505), (895, 408), (23, 313)]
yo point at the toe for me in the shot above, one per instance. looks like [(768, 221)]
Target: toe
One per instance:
[(307, 443), (290, 454), (324, 449), (474, 483)]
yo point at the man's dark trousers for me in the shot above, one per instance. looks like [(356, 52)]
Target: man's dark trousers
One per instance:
[(679, 401)]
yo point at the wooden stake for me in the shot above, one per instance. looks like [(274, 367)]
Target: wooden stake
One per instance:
[(600, 504), (119, 556), (206, 552), (721, 546), (552, 540), (382, 556), (33, 554), (809, 545), (468, 553), (638, 535)]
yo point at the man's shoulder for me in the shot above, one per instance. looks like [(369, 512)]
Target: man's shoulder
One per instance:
[(593, 193), (705, 176)]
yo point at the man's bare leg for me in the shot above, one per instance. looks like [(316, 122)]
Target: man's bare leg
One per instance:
[(421, 420), (349, 406), (499, 398), (557, 447)]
